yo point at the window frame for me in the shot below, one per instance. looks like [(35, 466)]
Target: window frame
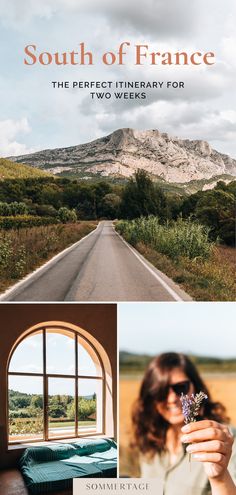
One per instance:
[(46, 376)]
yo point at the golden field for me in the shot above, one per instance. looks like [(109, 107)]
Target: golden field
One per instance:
[(222, 387)]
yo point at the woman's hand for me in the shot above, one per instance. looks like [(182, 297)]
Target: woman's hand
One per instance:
[(210, 443)]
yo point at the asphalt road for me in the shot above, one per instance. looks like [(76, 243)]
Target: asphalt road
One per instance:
[(100, 268)]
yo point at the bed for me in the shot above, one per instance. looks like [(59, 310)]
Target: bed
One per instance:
[(52, 468)]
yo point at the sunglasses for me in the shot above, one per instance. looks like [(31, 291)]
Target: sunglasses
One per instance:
[(178, 388)]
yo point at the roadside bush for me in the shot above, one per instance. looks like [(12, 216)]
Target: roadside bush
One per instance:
[(23, 249), (22, 221), (13, 209), (45, 210), (183, 238), (67, 216)]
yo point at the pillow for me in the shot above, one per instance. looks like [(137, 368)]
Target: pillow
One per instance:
[(54, 452), (86, 446)]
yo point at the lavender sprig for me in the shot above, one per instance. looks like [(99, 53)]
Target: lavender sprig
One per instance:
[(191, 406)]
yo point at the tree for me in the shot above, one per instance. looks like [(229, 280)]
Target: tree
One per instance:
[(51, 195), (86, 207), (44, 210), (70, 412), (71, 194), (56, 408), (67, 216), (110, 206), (216, 208), (37, 402), (86, 408), (140, 197), (5, 209), (13, 209), (100, 188)]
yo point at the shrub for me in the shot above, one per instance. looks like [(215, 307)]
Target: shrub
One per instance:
[(23, 249), (6, 252), (23, 426), (67, 216), (181, 238), (13, 209), (22, 221), (45, 210)]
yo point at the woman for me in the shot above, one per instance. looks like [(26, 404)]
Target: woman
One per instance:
[(164, 442)]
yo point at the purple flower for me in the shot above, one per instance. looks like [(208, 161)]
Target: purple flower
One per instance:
[(191, 406)]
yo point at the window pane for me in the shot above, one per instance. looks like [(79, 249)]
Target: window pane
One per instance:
[(61, 407), (25, 402), (88, 362), (60, 351), (28, 356), (90, 405)]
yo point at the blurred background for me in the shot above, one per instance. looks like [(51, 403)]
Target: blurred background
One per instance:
[(203, 331)]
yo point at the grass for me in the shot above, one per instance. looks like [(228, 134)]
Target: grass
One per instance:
[(204, 280), (183, 252), (71, 423), (23, 250), (12, 170), (174, 239)]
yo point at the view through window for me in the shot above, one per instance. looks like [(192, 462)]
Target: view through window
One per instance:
[(55, 387)]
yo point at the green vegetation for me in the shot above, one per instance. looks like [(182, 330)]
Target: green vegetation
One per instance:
[(184, 238), (181, 238), (23, 221), (13, 209), (139, 196), (137, 363), (26, 412), (67, 216), (25, 249), (12, 170), (182, 235), (214, 208), (212, 279), (47, 196)]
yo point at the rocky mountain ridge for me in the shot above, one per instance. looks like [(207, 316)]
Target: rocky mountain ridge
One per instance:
[(169, 159)]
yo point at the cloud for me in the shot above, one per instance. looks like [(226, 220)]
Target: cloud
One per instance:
[(200, 85), (228, 44), (158, 18), (9, 130), (67, 117), (155, 18), (16, 14), (180, 119)]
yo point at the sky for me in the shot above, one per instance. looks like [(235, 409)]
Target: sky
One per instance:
[(35, 116), (60, 359), (205, 329)]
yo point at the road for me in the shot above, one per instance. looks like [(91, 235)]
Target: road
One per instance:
[(100, 268)]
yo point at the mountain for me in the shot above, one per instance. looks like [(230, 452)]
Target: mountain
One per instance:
[(10, 170), (118, 155)]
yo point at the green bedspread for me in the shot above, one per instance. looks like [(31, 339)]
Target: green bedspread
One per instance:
[(52, 468)]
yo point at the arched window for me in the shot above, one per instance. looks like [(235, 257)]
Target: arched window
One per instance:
[(56, 386)]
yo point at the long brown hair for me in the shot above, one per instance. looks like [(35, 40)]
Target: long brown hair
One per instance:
[(149, 427)]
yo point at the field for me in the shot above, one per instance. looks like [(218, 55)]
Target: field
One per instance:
[(204, 280), (23, 250), (221, 386), (57, 429)]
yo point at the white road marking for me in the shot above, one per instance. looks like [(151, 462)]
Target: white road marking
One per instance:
[(174, 294), (26, 281)]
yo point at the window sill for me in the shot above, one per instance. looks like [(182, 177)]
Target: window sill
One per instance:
[(26, 445)]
